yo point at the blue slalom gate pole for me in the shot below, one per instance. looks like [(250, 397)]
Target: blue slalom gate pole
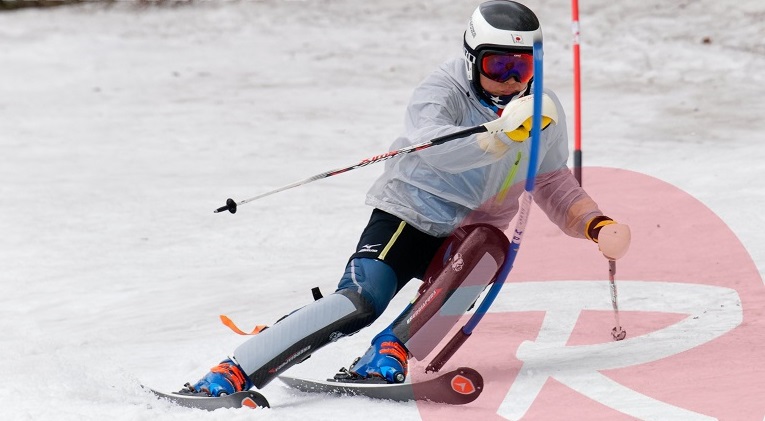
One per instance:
[(520, 226)]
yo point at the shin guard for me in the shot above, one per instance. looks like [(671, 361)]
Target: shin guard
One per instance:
[(467, 262), (294, 338)]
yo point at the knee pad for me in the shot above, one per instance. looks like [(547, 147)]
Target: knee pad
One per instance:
[(373, 279), (468, 261), (296, 336)]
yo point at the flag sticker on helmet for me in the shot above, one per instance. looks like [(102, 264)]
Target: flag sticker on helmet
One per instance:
[(517, 39)]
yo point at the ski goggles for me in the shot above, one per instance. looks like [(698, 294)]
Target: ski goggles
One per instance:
[(501, 66)]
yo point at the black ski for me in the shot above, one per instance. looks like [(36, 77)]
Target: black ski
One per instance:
[(246, 399), (457, 387)]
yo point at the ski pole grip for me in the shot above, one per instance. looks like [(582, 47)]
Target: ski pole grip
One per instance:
[(230, 206)]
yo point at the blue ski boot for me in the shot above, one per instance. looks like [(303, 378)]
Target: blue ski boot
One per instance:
[(224, 379), (386, 358)]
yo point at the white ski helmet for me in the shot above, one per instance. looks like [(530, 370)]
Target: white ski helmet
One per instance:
[(500, 27)]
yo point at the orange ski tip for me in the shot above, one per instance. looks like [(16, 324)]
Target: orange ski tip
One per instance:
[(231, 325)]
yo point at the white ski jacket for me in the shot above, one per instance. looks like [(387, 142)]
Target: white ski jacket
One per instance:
[(457, 183)]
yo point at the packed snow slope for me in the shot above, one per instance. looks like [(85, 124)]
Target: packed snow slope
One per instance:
[(123, 128)]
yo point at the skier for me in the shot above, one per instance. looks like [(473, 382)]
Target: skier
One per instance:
[(461, 194)]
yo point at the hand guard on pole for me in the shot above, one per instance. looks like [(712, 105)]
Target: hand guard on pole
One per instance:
[(516, 124)]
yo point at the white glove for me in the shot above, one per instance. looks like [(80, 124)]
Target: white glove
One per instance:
[(613, 238), (516, 119), (516, 122)]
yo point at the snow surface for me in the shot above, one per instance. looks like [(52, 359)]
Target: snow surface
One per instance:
[(122, 128)]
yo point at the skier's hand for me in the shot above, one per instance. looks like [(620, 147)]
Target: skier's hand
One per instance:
[(613, 238), (518, 115), (492, 143), (515, 124)]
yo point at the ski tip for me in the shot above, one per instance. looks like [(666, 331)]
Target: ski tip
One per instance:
[(254, 400), (467, 383)]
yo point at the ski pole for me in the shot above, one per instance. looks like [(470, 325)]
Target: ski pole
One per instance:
[(520, 225), (577, 93), (491, 127), (617, 332)]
